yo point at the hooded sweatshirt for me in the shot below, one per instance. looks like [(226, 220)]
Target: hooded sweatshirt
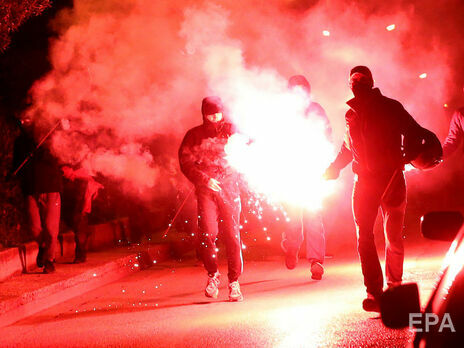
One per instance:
[(201, 154)]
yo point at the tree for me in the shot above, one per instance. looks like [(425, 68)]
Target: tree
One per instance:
[(15, 12)]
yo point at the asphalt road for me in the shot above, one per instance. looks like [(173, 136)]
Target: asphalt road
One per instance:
[(164, 306)]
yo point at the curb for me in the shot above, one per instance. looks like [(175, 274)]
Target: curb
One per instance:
[(14, 309), (23, 258)]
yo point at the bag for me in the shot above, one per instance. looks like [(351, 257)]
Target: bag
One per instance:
[(422, 149)]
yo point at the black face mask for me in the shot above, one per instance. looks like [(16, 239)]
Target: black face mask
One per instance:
[(361, 90)]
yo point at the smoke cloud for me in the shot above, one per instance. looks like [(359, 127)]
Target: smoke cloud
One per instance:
[(126, 73)]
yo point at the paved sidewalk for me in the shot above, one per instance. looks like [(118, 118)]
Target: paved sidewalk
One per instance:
[(27, 293)]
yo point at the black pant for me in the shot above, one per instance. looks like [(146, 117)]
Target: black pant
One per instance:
[(222, 208), (389, 193)]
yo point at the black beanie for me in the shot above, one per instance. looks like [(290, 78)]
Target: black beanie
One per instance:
[(364, 71), (211, 105)]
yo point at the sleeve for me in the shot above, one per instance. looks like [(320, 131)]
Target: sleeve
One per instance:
[(344, 156), (408, 124), (188, 163), (455, 135)]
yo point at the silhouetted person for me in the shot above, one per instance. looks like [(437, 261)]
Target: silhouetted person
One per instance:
[(79, 191), (201, 157), (455, 134), (41, 182), (373, 141), (306, 226)]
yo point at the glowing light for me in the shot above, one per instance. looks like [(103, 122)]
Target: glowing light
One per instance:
[(95, 274), (445, 105), (409, 167), (136, 265), (326, 33), (391, 27), (423, 75), (243, 246), (268, 238), (264, 229)]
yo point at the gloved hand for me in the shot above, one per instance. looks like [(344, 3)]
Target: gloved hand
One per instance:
[(331, 173)]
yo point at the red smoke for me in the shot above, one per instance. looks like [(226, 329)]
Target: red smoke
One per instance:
[(126, 72)]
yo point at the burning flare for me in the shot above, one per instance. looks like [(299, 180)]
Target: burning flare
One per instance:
[(282, 152)]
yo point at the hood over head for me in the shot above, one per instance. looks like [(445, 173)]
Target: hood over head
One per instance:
[(211, 105), (301, 81)]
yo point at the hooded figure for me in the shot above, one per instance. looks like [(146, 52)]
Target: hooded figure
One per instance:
[(375, 126), (306, 226), (202, 160)]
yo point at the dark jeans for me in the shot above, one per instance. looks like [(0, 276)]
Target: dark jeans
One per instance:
[(389, 193), (81, 232), (214, 209), (44, 217)]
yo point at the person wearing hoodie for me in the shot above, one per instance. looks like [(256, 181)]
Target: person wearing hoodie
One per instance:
[(306, 226), (455, 134), (375, 126), (202, 160)]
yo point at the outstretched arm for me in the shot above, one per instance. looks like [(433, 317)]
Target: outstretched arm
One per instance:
[(341, 161)]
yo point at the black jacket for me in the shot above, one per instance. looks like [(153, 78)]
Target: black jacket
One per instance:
[(202, 155), (42, 173), (375, 126)]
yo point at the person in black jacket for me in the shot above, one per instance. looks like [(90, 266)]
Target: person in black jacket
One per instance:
[(202, 160), (375, 126), (41, 182)]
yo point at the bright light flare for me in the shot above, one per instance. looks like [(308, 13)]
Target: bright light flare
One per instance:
[(423, 75), (391, 27), (409, 167), (326, 33), (285, 152)]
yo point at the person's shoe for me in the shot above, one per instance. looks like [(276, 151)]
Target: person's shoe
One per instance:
[(212, 286), (40, 257), (291, 255), (371, 303), (317, 270), (49, 267), (235, 295), (81, 257)]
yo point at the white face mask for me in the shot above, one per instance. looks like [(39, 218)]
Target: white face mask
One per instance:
[(214, 118)]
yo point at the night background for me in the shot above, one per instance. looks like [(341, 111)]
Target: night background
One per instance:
[(130, 75), (128, 78)]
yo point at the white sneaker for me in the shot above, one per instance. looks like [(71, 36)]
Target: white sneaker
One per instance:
[(212, 286), (235, 295)]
